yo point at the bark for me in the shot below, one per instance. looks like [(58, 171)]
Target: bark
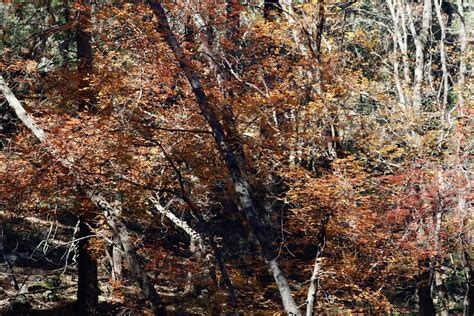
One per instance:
[(444, 68), (220, 75), (313, 287), (397, 11), (314, 281), (84, 54), (96, 197), (316, 48), (469, 273), (242, 187), (117, 250), (463, 55), (271, 9), (400, 40), (5, 258), (87, 284), (440, 288), (197, 244), (116, 258), (421, 40), (396, 77), (423, 284), (204, 229), (129, 253), (225, 275)]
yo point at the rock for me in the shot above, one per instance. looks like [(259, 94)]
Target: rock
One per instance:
[(20, 300), (50, 296)]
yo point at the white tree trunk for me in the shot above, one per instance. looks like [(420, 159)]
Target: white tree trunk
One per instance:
[(463, 55), (444, 68), (242, 188), (313, 287), (421, 39), (96, 197), (197, 244)]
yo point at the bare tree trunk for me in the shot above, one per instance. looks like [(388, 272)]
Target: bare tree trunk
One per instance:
[(242, 187), (87, 284), (314, 281), (313, 287), (469, 273), (400, 34), (84, 54), (197, 246), (440, 289), (467, 262), (5, 258), (117, 250), (96, 197), (442, 52), (400, 39), (116, 258), (396, 77), (423, 289), (421, 40), (463, 55)]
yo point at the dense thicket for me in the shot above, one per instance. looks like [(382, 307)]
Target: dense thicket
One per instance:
[(231, 156)]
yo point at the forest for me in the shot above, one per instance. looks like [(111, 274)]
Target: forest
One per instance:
[(236, 157)]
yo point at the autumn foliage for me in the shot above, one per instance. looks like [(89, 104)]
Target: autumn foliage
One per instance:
[(352, 181)]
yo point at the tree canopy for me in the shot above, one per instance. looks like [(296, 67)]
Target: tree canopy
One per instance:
[(236, 157)]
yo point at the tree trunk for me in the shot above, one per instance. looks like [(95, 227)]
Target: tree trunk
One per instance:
[(84, 54), (271, 9), (444, 68), (241, 185), (314, 281), (421, 39), (5, 258), (463, 54), (440, 288), (96, 198), (469, 272), (313, 287), (225, 276), (116, 258), (197, 246), (87, 284), (423, 283)]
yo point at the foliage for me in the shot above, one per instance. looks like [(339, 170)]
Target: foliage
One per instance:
[(343, 170)]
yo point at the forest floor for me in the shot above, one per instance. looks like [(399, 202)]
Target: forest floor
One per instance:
[(38, 272)]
